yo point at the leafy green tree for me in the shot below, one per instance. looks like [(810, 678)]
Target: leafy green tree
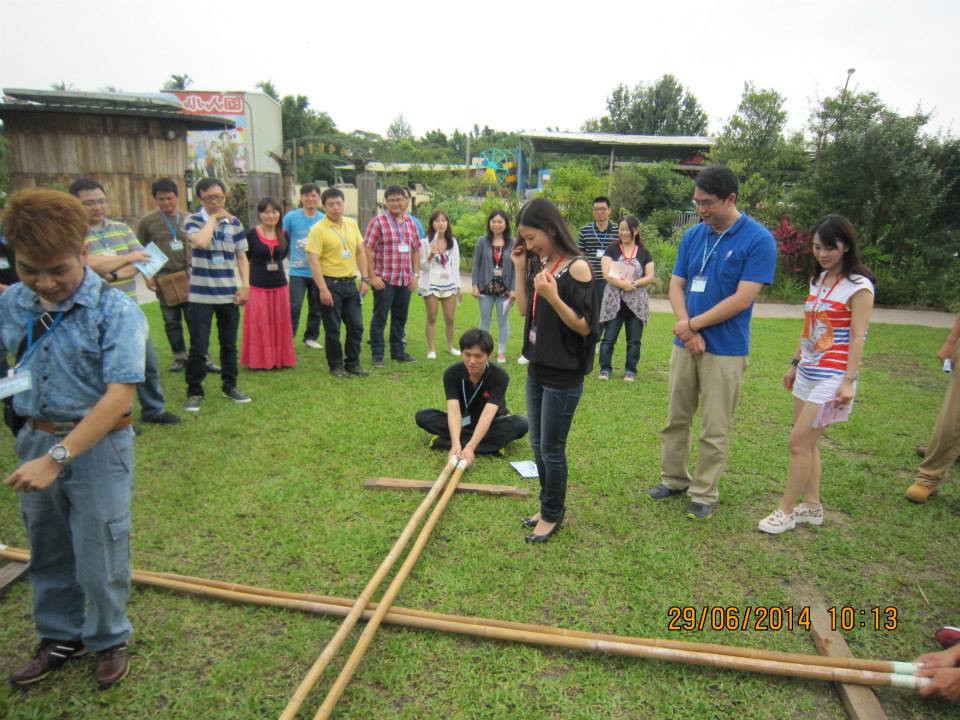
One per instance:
[(269, 89), (753, 144), (664, 108), (178, 82), (399, 129), (643, 190), (572, 188)]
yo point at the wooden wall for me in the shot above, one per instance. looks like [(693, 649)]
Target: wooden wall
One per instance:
[(125, 154)]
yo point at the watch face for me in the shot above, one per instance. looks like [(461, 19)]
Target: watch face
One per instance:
[(59, 453)]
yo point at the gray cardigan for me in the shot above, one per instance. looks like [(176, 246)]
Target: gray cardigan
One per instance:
[(483, 263)]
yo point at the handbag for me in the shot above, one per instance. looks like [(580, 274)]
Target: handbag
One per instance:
[(175, 287)]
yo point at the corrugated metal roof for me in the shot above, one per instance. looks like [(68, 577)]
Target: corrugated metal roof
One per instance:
[(654, 147)]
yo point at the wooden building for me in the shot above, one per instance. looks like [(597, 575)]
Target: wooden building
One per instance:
[(123, 141)]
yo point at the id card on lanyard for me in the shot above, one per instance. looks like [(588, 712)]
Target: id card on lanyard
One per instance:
[(17, 380), (466, 420), (175, 243), (698, 283), (532, 335)]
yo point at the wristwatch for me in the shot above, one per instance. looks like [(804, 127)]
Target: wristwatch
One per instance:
[(60, 454), (114, 276)]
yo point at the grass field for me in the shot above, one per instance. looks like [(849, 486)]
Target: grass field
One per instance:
[(271, 494)]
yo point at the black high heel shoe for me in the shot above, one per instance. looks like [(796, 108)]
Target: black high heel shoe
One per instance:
[(529, 522), (535, 539)]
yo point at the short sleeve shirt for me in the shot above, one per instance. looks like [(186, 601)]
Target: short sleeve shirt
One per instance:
[(336, 246), (492, 389), (297, 226), (168, 235), (115, 238), (746, 251), (101, 342), (213, 270)]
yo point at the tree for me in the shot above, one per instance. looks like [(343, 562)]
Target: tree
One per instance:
[(572, 188), (178, 82), (663, 108), (63, 86), (754, 146), (644, 190), (400, 129), (267, 88)]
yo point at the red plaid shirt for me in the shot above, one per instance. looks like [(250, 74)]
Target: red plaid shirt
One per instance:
[(384, 236)]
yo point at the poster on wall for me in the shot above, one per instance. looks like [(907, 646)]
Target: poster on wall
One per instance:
[(216, 153)]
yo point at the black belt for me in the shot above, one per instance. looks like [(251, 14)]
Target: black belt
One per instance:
[(351, 278)]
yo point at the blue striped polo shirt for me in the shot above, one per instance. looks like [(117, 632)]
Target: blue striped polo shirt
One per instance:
[(213, 270)]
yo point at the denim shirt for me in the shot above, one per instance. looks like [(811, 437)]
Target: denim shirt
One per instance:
[(102, 342)]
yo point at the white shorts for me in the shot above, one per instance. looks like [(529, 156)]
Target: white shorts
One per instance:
[(818, 391)]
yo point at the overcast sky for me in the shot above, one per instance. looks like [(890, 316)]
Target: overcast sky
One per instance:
[(512, 65)]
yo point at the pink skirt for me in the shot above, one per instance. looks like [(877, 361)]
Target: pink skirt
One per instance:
[(267, 335)]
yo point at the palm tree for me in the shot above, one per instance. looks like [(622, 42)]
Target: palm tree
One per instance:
[(62, 86), (178, 82)]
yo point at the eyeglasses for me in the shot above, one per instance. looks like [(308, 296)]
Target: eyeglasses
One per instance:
[(213, 198), (708, 203), (94, 203)]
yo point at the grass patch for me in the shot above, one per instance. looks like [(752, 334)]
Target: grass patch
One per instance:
[(271, 494)]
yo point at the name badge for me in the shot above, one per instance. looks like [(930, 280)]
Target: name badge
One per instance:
[(273, 267), (15, 383), (176, 245), (497, 272), (532, 336), (599, 253), (298, 263), (465, 421), (403, 247), (217, 258), (4, 264), (346, 255), (302, 244), (698, 284)]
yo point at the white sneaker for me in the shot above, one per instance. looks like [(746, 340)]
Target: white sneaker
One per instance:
[(807, 513), (522, 361), (501, 358), (778, 522), (313, 344), (431, 355), (453, 351)]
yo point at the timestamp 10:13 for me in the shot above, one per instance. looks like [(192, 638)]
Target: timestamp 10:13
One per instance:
[(847, 618)]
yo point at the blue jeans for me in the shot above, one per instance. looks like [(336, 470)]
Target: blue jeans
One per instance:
[(300, 286), (487, 304), (79, 534), (611, 331), (393, 299), (550, 412), (345, 308), (173, 319), (149, 391)]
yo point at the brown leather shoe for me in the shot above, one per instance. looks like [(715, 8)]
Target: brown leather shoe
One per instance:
[(113, 664), (921, 490), (49, 655)]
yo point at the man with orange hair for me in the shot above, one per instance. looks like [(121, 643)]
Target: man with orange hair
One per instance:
[(80, 348)]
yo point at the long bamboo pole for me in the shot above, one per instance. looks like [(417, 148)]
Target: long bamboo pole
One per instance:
[(333, 646), (373, 624), (422, 619), (551, 637)]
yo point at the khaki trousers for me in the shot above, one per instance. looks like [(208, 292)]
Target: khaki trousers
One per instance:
[(944, 447), (712, 382)]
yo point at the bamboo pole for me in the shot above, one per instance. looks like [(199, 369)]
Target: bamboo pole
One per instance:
[(373, 624), (422, 619), (364, 598)]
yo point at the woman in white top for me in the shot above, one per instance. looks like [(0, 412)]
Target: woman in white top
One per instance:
[(825, 367), (440, 279)]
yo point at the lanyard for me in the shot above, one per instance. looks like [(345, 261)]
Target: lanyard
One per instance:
[(497, 256), (536, 293), (343, 238), (399, 228), (172, 228), (31, 345), (263, 239), (463, 389), (820, 300), (706, 255), (636, 249)]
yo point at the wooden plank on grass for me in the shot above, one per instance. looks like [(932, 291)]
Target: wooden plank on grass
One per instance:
[(859, 701), (388, 483), (9, 574)]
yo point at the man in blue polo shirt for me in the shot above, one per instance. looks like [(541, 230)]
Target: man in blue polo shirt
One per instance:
[(722, 265)]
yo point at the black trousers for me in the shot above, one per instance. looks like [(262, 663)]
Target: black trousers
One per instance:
[(200, 322), (345, 308), (503, 430)]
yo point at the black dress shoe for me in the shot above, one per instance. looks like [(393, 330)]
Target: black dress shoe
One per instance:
[(529, 522), (534, 538), (178, 365), (358, 371), (405, 358), (213, 368)]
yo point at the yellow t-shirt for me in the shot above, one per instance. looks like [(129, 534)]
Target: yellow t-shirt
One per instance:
[(336, 246)]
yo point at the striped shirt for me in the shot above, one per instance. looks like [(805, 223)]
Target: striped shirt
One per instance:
[(593, 243), (115, 238), (213, 270), (825, 342), (385, 236)]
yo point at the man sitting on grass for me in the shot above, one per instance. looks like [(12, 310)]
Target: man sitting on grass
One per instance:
[(477, 419)]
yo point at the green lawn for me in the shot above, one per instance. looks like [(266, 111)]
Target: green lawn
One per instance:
[(271, 494)]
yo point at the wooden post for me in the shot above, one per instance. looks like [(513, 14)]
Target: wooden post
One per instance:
[(389, 483), (9, 574)]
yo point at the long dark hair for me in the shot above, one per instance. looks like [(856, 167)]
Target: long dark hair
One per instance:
[(634, 224), (269, 201), (506, 229), (836, 228), (542, 214), (432, 233)]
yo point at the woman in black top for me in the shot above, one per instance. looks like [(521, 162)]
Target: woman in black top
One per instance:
[(559, 339), (267, 333)]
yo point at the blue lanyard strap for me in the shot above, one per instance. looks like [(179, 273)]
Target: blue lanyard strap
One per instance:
[(172, 228), (50, 325), (463, 388), (706, 255)]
